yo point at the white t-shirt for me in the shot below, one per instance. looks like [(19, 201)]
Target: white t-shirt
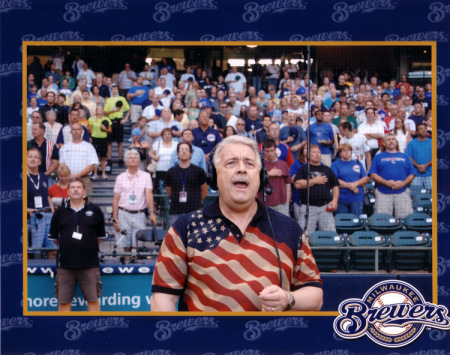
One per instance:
[(165, 155), (376, 128), (239, 84), (77, 156)]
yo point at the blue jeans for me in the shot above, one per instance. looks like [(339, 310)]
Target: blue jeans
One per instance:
[(257, 84), (40, 229), (355, 207), (273, 82)]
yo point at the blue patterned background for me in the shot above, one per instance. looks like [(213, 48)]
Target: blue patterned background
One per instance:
[(200, 20)]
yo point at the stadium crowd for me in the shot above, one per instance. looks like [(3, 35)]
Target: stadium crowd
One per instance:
[(361, 127)]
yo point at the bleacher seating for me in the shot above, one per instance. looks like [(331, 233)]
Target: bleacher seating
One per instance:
[(329, 259)]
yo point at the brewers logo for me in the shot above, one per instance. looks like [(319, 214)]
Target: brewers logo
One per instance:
[(392, 314)]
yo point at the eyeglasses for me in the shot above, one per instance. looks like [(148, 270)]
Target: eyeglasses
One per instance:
[(184, 150)]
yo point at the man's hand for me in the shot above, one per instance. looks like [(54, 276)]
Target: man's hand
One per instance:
[(275, 172), (153, 219), (274, 299), (320, 180), (116, 226)]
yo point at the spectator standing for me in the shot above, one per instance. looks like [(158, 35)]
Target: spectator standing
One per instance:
[(420, 152), (133, 201), (185, 184), (39, 212), (352, 178), (279, 179), (77, 228), (392, 172), (321, 202)]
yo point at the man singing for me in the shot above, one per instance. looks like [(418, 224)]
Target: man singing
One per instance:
[(235, 254)]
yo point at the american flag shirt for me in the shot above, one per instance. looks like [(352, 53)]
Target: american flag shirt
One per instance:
[(206, 260)]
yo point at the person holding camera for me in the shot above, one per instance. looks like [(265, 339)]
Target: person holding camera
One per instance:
[(39, 212)]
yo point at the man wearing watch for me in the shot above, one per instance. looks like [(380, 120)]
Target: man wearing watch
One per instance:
[(133, 195), (223, 257)]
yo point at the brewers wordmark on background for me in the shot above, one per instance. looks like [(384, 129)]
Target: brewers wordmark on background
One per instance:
[(254, 10), (443, 291), (441, 100), (7, 69), (10, 5), (442, 202), (438, 12), (8, 196), (343, 10), (254, 329), (16, 322), (442, 265), (144, 36), (234, 36), (11, 259), (10, 132), (442, 74), (75, 329), (60, 352), (324, 36), (164, 10), (442, 138), (438, 335), (438, 36), (165, 329), (74, 10)]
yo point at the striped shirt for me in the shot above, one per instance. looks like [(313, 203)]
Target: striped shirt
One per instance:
[(213, 267)]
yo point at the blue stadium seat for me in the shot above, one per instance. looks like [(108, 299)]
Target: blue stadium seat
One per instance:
[(410, 260), (420, 222), (383, 223), (364, 260), (423, 200), (417, 190), (348, 223), (328, 260)]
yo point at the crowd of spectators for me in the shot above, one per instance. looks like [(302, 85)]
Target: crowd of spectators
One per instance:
[(75, 116)]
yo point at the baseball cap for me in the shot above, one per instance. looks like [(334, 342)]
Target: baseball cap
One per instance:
[(293, 132), (301, 91)]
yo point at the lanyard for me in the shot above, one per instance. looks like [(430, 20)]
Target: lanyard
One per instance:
[(62, 193), (76, 219), (36, 186), (183, 181)]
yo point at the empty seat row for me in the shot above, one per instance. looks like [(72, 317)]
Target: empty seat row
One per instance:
[(371, 251)]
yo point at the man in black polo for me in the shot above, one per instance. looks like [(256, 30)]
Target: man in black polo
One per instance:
[(185, 184), (77, 229)]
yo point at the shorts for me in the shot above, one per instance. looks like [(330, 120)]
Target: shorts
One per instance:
[(101, 146), (136, 112), (117, 132), (88, 280)]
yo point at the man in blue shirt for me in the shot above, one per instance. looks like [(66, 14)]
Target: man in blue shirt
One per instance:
[(293, 134), (205, 137), (323, 136), (419, 150), (137, 95), (392, 172)]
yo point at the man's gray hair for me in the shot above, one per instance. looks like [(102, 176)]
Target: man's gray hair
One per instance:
[(234, 139), (129, 152), (49, 113)]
